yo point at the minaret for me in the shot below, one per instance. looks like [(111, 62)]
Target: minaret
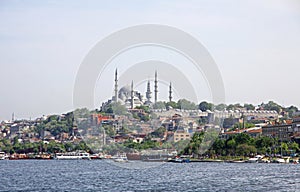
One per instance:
[(170, 92), (132, 95), (155, 88), (148, 93), (104, 138), (116, 86)]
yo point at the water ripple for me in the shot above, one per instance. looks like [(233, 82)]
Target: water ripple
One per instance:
[(101, 176)]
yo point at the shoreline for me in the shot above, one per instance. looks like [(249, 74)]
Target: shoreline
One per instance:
[(273, 161)]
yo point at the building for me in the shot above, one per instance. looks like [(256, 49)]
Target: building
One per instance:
[(252, 132), (283, 132), (131, 98), (180, 135)]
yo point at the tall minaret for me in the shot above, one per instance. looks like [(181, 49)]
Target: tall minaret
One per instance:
[(170, 92), (155, 88), (132, 95), (148, 93), (116, 86)]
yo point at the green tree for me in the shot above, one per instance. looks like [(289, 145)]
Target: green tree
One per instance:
[(159, 105), (144, 107), (245, 125), (109, 130), (264, 142), (219, 146), (159, 132), (82, 146), (271, 105), (284, 147), (17, 145), (81, 113), (69, 146), (172, 104), (221, 107), (185, 104), (291, 110), (193, 147), (118, 108), (230, 146), (204, 106), (5, 145), (245, 149), (294, 146), (243, 138), (249, 106)]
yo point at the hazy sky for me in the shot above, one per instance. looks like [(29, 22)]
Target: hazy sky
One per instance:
[(256, 45)]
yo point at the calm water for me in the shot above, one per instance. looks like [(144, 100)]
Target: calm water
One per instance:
[(99, 175)]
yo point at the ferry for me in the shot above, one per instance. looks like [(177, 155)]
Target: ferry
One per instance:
[(76, 155)]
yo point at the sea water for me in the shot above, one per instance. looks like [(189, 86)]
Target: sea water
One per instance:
[(100, 175)]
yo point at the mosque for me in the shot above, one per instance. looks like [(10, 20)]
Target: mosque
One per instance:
[(131, 98)]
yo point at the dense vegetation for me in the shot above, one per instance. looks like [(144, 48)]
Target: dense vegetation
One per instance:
[(242, 145), (52, 147), (56, 125)]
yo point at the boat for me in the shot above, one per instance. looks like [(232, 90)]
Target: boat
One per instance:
[(44, 156), (255, 159), (76, 155), (280, 160), (180, 160), (97, 156), (264, 160), (154, 158), (17, 156), (157, 155), (3, 156), (120, 158), (133, 156), (236, 161)]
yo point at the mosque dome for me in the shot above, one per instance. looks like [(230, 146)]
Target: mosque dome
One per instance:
[(125, 93)]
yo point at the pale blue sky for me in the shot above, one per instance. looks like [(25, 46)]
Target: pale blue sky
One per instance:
[(256, 45)]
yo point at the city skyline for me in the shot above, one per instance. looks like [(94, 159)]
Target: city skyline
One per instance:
[(254, 44)]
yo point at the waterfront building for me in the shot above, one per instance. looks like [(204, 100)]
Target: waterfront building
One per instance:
[(282, 132), (252, 132), (288, 131)]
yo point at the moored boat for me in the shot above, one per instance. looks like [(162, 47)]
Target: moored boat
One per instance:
[(121, 158), (17, 156), (76, 155), (3, 156), (280, 160), (255, 159), (236, 161), (180, 160)]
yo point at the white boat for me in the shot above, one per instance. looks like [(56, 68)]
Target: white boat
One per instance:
[(121, 158), (255, 159), (281, 160), (3, 156), (76, 155)]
